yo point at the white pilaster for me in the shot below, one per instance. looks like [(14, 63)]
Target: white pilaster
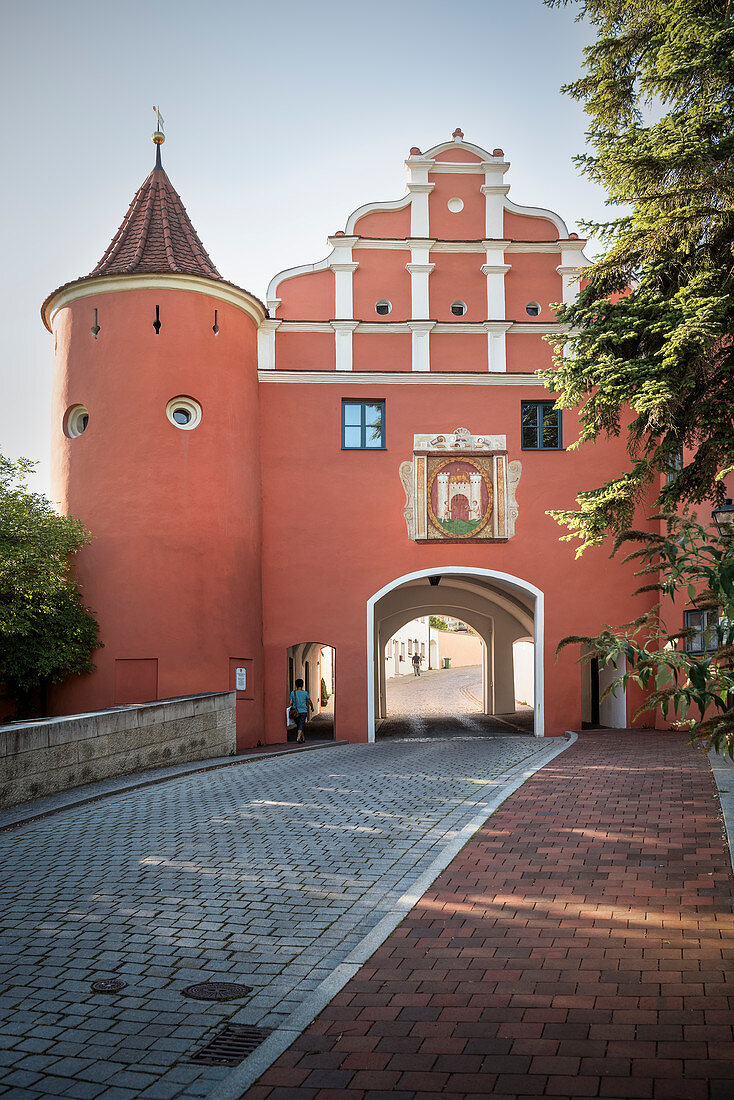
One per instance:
[(496, 346), (343, 267), (495, 269), (494, 195), (494, 191), (421, 344), (343, 343), (266, 344), (419, 269), (343, 283), (570, 268), (419, 193), (571, 277)]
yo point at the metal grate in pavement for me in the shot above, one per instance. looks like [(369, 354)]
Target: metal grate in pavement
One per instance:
[(108, 985), (230, 1046), (216, 991)]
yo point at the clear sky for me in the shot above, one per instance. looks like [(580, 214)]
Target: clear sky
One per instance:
[(281, 118)]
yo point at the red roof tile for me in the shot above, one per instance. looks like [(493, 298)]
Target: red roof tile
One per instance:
[(156, 235)]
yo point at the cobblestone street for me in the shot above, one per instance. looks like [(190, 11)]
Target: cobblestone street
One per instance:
[(445, 701), (268, 874)]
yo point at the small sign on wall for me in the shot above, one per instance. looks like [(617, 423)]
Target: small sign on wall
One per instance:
[(241, 677)]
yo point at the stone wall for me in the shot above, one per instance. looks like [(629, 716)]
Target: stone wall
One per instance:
[(53, 754)]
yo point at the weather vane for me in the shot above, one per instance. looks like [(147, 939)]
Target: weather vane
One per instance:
[(161, 120), (158, 137)]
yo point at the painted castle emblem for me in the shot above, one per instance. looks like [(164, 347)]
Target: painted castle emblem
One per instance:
[(467, 493), (460, 497)]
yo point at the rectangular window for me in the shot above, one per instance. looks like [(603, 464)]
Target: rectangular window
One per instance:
[(540, 426), (704, 624), (674, 466), (363, 425), (410, 647)]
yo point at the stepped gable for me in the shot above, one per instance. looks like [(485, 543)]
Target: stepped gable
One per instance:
[(156, 235)]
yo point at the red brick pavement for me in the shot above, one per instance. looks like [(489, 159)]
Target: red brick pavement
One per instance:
[(578, 946)]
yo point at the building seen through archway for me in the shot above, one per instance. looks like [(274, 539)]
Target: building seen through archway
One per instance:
[(479, 679)]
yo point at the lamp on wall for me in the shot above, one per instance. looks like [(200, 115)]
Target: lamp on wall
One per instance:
[(723, 517), (435, 581)]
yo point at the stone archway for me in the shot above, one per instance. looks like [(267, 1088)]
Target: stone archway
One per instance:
[(500, 607)]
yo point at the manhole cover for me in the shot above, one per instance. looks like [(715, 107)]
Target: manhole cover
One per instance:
[(108, 985), (230, 1046), (217, 991)]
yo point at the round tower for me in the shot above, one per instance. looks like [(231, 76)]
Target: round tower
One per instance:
[(155, 447)]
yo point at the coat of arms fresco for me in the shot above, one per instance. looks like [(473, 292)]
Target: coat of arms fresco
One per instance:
[(460, 486)]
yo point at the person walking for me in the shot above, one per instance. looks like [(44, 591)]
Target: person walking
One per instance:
[(300, 700), (416, 664)]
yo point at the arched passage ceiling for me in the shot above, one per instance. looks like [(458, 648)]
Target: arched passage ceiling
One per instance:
[(460, 596)]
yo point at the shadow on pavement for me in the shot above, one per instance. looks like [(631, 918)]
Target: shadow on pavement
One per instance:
[(519, 722)]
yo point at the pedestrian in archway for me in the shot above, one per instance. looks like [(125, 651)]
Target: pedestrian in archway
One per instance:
[(416, 664), (300, 701)]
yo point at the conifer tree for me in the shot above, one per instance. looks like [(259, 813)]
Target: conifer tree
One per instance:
[(649, 352), (651, 329)]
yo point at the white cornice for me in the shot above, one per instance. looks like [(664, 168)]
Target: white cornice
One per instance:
[(343, 266), (114, 284), (538, 212), (545, 328), (344, 326), (496, 326), (342, 241), (400, 378), (534, 246), (420, 269), (459, 246), (374, 207), (495, 188), (421, 188), (463, 167), (483, 154), (495, 269), (291, 272)]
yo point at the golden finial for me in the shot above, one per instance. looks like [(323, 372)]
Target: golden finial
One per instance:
[(158, 137)]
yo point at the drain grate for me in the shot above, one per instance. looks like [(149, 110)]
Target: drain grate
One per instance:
[(216, 991), (108, 985), (230, 1046)]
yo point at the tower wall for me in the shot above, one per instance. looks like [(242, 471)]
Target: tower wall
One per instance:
[(173, 574)]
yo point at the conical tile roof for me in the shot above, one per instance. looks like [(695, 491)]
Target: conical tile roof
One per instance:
[(156, 235)]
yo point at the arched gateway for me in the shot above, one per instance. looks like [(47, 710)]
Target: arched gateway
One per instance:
[(500, 607)]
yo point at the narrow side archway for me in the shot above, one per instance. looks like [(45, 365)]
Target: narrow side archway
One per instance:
[(315, 664), (468, 593)]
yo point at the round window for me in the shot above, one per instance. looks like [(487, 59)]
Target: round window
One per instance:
[(383, 307), (75, 421), (455, 205), (532, 309), (184, 412), (458, 308)]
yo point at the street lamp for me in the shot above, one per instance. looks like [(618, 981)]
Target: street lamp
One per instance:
[(723, 517)]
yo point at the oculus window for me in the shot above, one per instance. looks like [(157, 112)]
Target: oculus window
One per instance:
[(540, 426), (363, 425)]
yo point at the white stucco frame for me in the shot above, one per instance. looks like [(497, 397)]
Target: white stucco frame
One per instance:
[(509, 581)]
